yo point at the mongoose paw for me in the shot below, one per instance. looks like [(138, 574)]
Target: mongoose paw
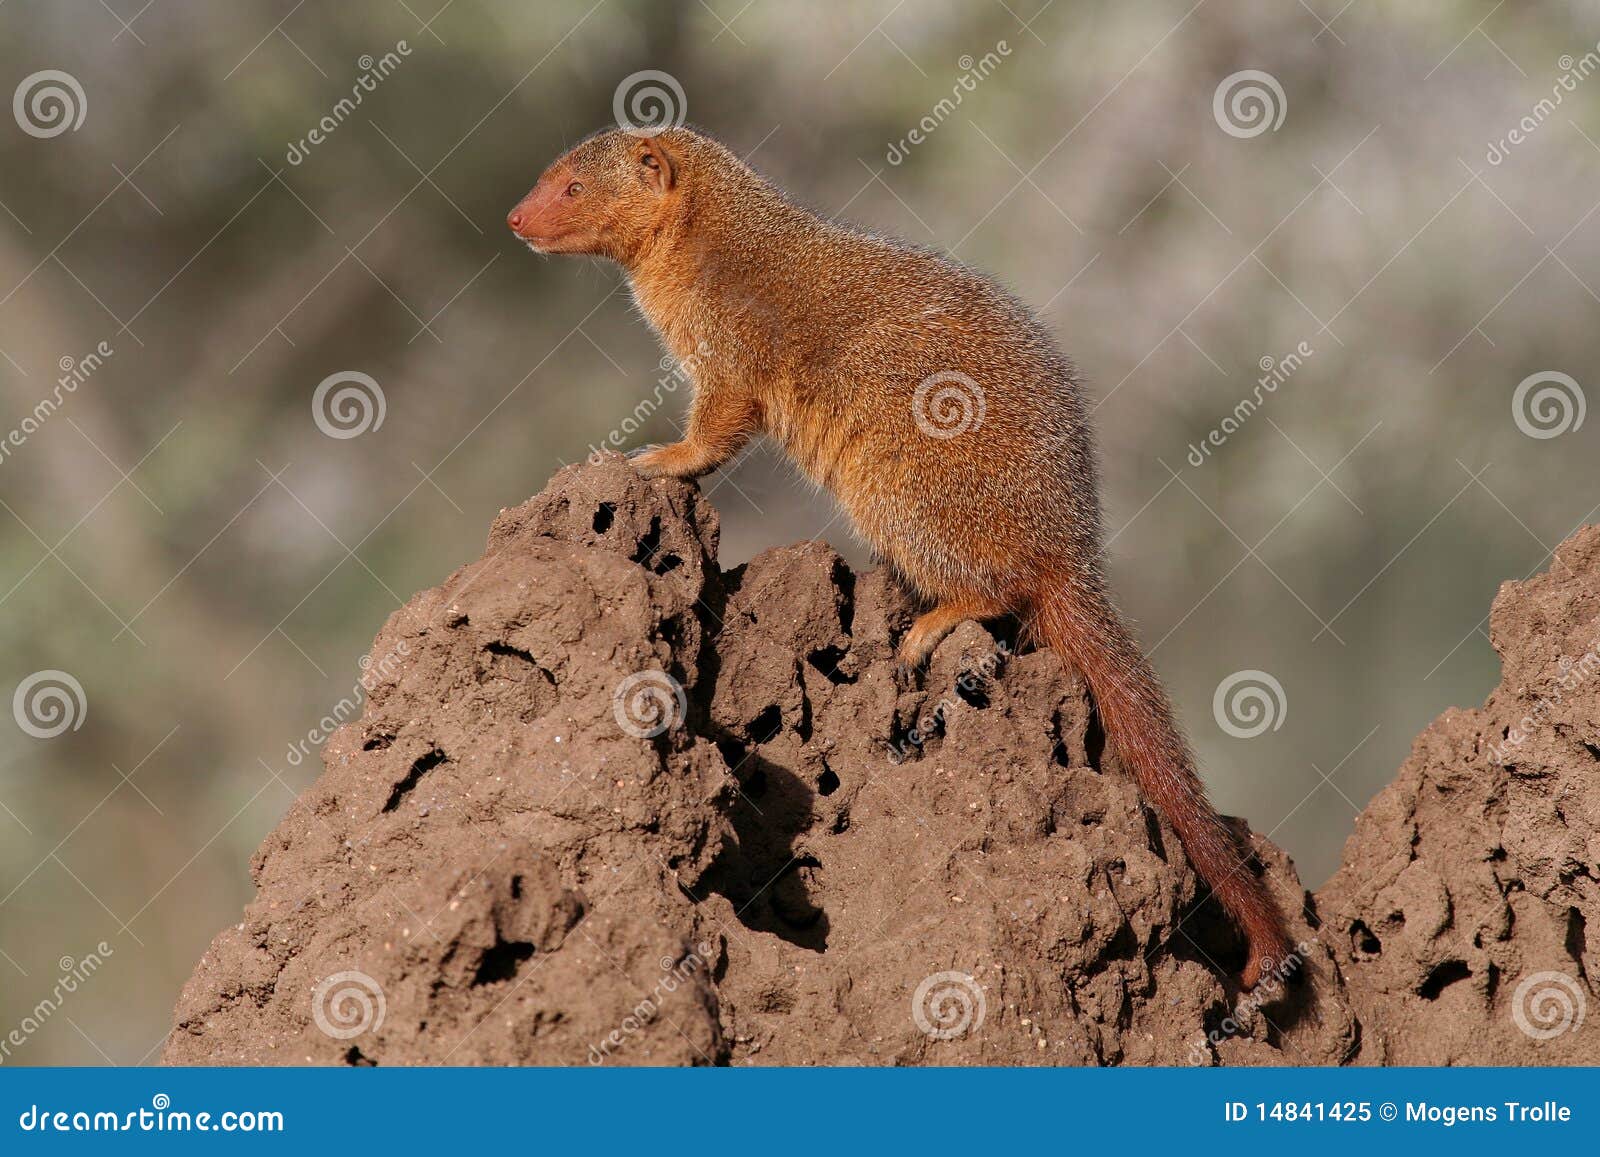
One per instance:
[(908, 661), (908, 665), (915, 649), (674, 461), (654, 462)]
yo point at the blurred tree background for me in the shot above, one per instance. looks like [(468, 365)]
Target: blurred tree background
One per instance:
[(182, 539)]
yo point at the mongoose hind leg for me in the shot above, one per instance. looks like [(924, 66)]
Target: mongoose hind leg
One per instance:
[(931, 628)]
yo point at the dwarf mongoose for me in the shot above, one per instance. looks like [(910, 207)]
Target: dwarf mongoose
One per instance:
[(930, 402)]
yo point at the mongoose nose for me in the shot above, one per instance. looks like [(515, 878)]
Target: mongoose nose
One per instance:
[(514, 220)]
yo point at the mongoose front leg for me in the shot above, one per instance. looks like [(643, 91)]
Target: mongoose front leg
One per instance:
[(931, 628), (720, 423)]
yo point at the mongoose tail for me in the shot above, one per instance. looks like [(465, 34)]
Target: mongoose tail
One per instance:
[(1079, 622)]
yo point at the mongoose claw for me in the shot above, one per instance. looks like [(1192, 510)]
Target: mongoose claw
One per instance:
[(914, 651), (907, 672), (651, 461), (909, 666)]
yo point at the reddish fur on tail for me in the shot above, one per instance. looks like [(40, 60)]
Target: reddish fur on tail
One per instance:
[(1079, 622)]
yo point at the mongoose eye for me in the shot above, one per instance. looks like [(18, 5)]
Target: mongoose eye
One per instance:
[(575, 188), (649, 162)]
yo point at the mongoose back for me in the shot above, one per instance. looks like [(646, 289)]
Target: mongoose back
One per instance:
[(932, 404)]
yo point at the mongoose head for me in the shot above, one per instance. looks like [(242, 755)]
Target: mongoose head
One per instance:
[(605, 197)]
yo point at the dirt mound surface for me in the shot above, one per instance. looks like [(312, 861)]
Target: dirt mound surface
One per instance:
[(609, 804), (1466, 913)]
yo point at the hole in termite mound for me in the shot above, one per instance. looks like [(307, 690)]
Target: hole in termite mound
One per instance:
[(501, 961), (420, 767)]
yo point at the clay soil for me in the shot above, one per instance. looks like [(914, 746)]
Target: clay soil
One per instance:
[(823, 860)]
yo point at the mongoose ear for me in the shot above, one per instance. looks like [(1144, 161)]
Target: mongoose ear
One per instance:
[(656, 163)]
